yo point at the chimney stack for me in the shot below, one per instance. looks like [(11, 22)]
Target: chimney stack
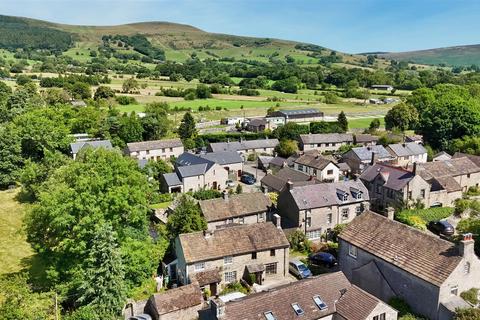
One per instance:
[(225, 195), (467, 245), (277, 220), (218, 308), (289, 185), (207, 234), (374, 158), (390, 213)]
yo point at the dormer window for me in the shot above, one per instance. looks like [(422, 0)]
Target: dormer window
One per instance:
[(319, 302), (298, 310), (269, 315)]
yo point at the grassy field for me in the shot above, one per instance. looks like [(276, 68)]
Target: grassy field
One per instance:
[(14, 249), (362, 123)]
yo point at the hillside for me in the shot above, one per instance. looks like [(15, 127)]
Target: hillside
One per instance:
[(452, 56), (178, 41)]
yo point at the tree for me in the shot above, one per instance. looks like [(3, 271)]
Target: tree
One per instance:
[(5, 91), (203, 92), (103, 92), (402, 117), (342, 121), (467, 314), (11, 159), (289, 85), (291, 131), (374, 125), (155, 123), (101, 186), (370, 59), (130, 85), (286, 148), (187, 129), (331, 97), (130, 128), (103, 274), (80, 90), (186, 217)]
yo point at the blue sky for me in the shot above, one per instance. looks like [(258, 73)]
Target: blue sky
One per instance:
[(346, 25)]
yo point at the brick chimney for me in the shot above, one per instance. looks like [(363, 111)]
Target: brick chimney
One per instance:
[(207, 234), (466, 246), (218, 308), (374, 158)]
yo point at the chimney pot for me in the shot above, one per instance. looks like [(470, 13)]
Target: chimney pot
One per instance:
[(467, 245)]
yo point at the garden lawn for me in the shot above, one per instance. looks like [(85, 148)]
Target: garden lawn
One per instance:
[(363, 123), (14, 249), (419, 218)]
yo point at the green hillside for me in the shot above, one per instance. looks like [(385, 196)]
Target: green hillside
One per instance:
[(451, 56)]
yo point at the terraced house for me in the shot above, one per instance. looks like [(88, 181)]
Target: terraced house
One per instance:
[(358, 159), (324, 142), (155, 149), (317, 209), (314, 164), (327, 297), (244, 208), (406, 154), (246, 147), (389, 259), (225, 255)]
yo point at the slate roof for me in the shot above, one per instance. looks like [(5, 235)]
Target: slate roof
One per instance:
[(243, 145), (422, 255), (153, 145), (278, 181), (413, 138), (314, 161), (177, 299), (365, 138), (192, 170), (365, 153), (443, 153), (172, 179), (278, 161), (207, 277), (355, 304), (326, 138), (77, 146), (222, 157), (407, 149), (257, 122), (327, 194), (297, 113), (396, 178), (234, 240), (473, 158), (453, 167), (235, 206)]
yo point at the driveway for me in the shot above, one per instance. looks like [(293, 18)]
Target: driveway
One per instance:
[(251, 168)]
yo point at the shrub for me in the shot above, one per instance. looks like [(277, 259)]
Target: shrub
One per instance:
[(470, 296), (124, 100), (331, 98), (299, 242), (205, 194), (252, 157), (234, 287), (239, 189)]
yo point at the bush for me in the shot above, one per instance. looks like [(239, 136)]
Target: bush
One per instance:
[(234, 287), (124, 100), (419, 218), (470, 296), (206, 194), (252, 157), (331, 98), (299, 242)]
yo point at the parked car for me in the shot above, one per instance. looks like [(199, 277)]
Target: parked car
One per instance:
[(322, 259), (442, 227), (247, 179), (230, 184), (142, 316), (299, 269)]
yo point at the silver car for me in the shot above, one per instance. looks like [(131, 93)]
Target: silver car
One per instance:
[(299, 269)]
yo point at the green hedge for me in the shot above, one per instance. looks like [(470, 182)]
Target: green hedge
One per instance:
[(419, 218)]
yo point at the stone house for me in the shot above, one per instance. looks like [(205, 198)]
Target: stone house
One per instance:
[(317, 209), (230, 161), (365, 139), (193, 173), (441, 156), (406, 154), (155, 150), (318, 166), (325, 142), (182, 303), (277, 182), (396, 187), (246, 147), (257, 125), (360, 157), (326, 297), (452, 176), (244, 208), (389, 259), (254, 252), (75, 147)]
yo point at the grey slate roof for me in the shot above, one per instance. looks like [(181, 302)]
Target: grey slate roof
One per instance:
[(278, 181), (396, 178), (407, 149), (365, 153), (192, 170), (222, 157), (297, 113), (153, 145), (327, 194), (172, 179), (77, 146), (243, 145), (314, 161), (326, 138), (365, 138)]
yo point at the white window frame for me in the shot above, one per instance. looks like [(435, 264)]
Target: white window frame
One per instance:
[(199, 266), (230, 276), (314, 234), (228, 260), (352, 251), (347, 212)]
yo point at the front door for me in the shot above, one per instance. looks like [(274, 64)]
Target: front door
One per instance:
[(213, 289), (258, 277), (214, 187)]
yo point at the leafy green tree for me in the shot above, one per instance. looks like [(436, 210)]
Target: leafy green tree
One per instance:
[(80, 90), (186, 217), (187, 129), (130, 128), (103, 274), (22, 100), (11, 159), (103, 92), (402, 117), (467, 314), (53, 96), (291, 131), (130, 85), (331, 97), (342, 121), (466, 144), (374, 125), (370, 59), (155, 123), (289, 85), (286, 148), (101, 186), (203, 92)]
